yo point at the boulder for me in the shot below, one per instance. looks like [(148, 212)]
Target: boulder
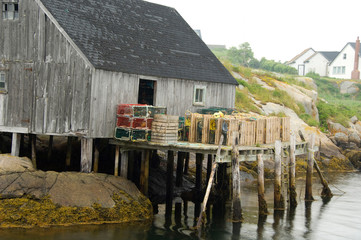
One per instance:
[(336, 128), (308, 81), (354, 120), (348, 87), (353, 137), (300, 97), (10, 163), (341, 139)]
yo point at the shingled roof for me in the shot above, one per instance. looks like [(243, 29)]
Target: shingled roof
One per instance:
[(139, 37)]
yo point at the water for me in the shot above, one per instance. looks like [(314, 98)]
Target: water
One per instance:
[(340, 218)]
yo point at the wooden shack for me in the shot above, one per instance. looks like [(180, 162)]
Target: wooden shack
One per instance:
[(65, 65)]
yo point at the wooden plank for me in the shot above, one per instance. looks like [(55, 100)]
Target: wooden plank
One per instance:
[(309, 173), (144, 172), (116, 161), (169, 183), (262, 204), (236, 181), (86, 155), (292, 173), (15, 144), (278, 197), (124, 164)]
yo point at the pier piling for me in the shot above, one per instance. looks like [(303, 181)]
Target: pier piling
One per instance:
[(278, 197), (292, 173), (310, 163), (262, 204)]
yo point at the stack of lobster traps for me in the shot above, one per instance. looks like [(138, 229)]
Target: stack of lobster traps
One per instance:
[(253, 129)]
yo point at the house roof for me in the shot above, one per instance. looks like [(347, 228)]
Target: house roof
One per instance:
[(352, 44), (328, 55), (299, 55), (139, 37)]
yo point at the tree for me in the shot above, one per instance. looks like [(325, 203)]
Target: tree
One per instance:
[(241, 55)]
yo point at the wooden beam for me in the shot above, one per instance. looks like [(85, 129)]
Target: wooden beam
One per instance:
[(50, 147), (236, 181), (68, 152), (15, 144), (310, 163), (209, 167), (124, 164), (144, 172), (179, 174), (292, 172), (199, 166), (279, 203), (86, 159), (326, 193), (262, 204), (96, 155), (186, 164), (209, 185), (169, 183), (116, 161), (33, 149)]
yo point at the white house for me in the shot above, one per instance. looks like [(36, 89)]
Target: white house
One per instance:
[(319, 62), (343, 64), (298, 62)]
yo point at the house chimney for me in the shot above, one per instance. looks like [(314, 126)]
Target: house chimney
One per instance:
[(356, 73)]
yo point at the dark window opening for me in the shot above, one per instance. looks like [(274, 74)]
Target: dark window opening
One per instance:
[(146, 92), (10, 11)]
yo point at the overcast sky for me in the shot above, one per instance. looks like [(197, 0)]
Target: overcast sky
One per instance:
[(275, 29)]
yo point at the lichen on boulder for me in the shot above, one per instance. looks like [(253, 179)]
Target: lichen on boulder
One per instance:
[(37, 198)]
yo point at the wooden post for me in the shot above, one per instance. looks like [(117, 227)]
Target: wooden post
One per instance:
[(144, 172), (180, 163), (210, 182), (68, 152), (186, 164), (236, 180), (96, 155), (15, 144), (292, 172), (310, 161), (278, 197), (199, 166), (169, 183), (209, 167), (50, 147), (262, 204), (86, 155), (124, 164), (326, 193), (116, 161), (33, 149)]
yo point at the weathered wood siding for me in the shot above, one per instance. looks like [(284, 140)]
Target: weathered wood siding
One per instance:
[(110, 89), (48, 82)]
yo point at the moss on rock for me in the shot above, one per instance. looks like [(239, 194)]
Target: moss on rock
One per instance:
[(28, 211)]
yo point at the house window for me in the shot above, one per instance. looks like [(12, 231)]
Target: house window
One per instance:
[(199, 95), (10, 11), (2, 81), (339, 70), (344, 56)]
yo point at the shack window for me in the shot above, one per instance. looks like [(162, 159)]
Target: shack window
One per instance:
[(10, 11), (2, 81), (199, 95)]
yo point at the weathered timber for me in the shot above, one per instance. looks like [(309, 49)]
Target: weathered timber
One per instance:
[(310, 163), (144, 172), (236, 181), (186, 164), (209, 185), (262, 204), (292, 173), (124, 164), (209, 167), (86, 155), (50, 147), (279, 203), (326, 193), (199, 166), (96, 156), (68, 152), (169, 183), (33, 149), (116, 161), (179, 173), (15, 144)]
